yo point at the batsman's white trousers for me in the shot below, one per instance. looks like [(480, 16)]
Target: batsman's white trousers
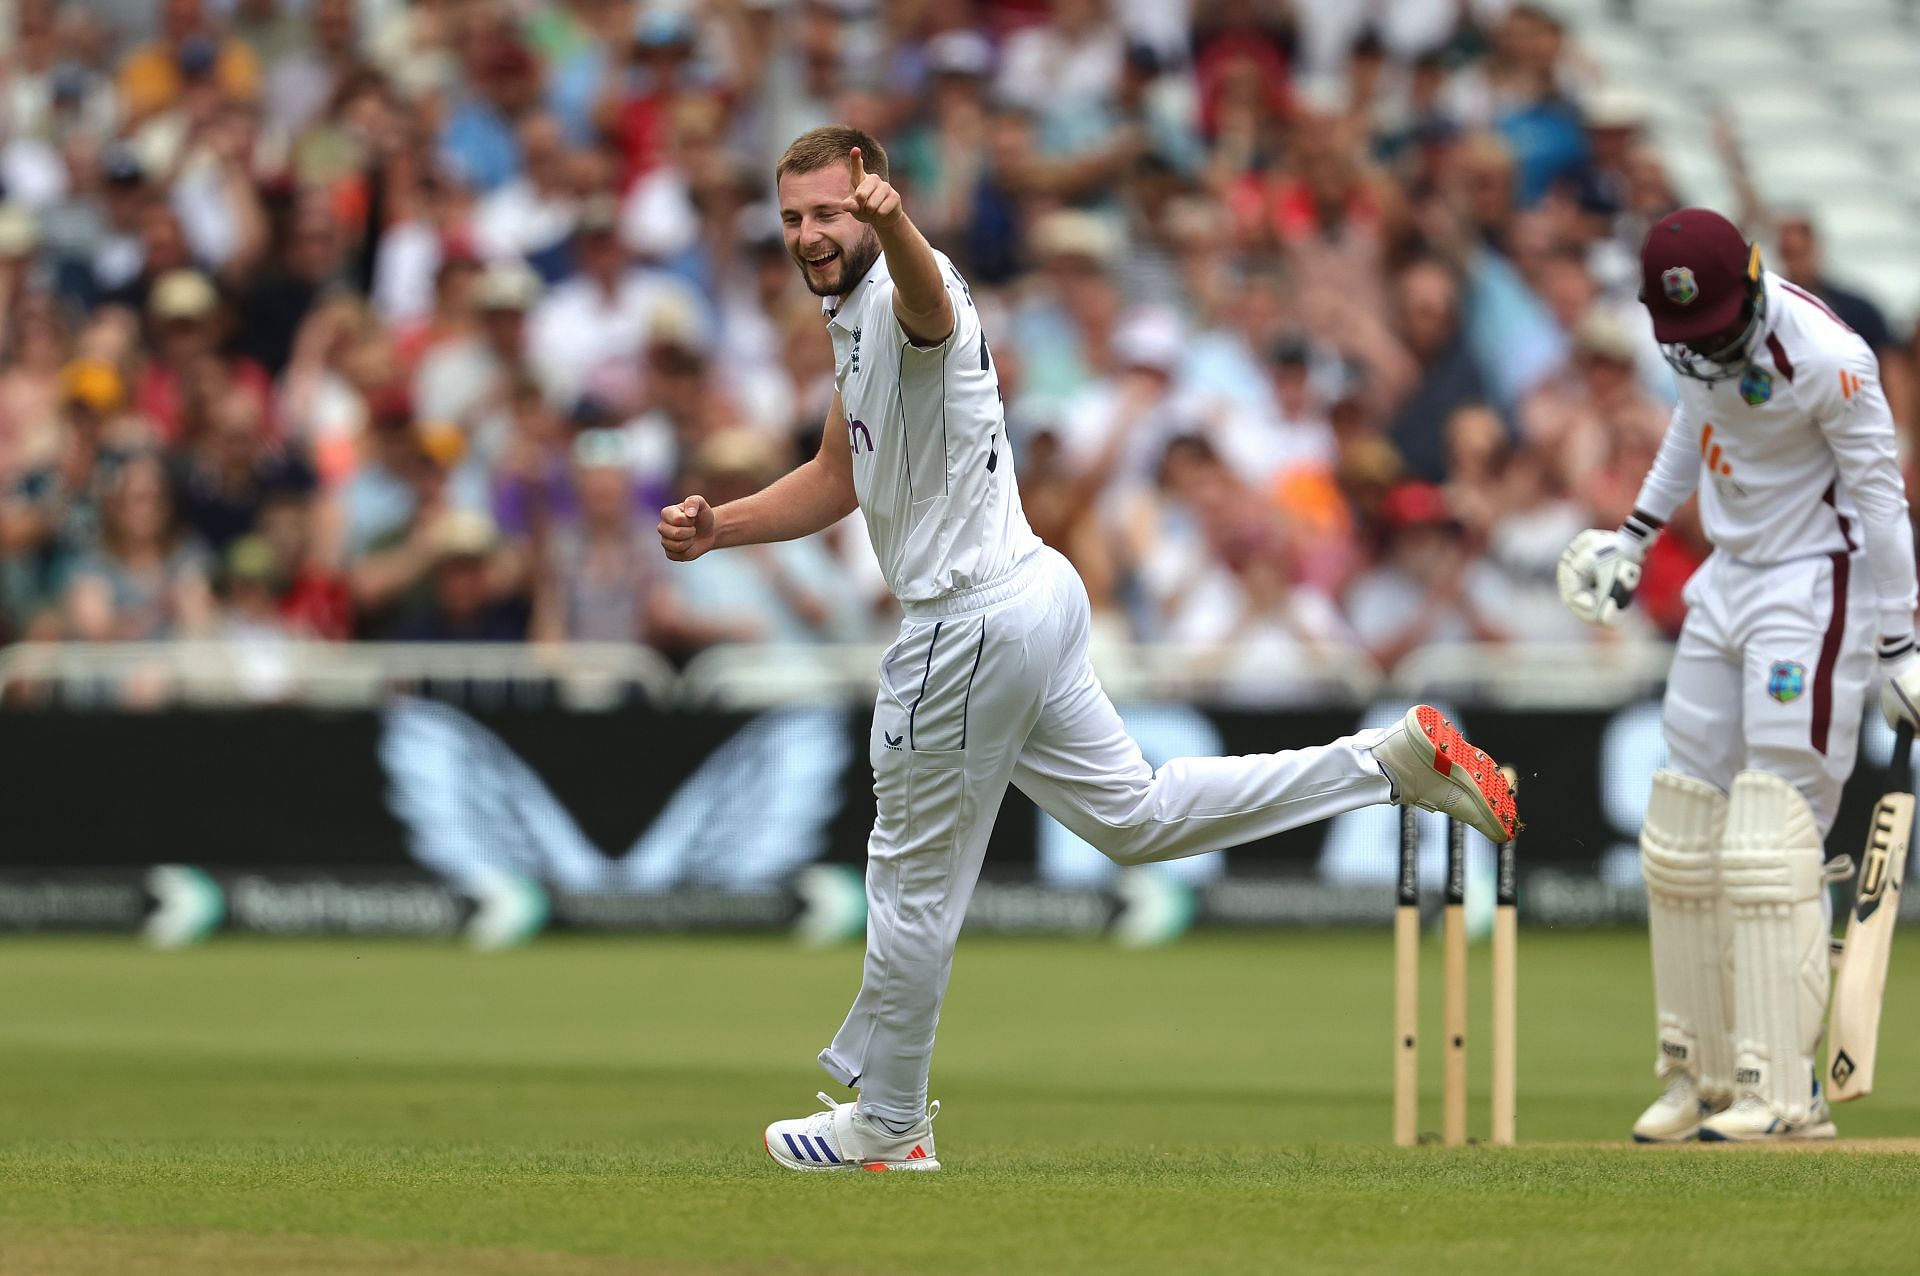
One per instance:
[(991, 687), (1772, 673)]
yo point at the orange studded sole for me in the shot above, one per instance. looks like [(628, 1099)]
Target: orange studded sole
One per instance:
[(1452, 752)]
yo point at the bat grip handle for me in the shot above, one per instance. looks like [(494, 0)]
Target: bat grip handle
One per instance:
[(1900, 766)]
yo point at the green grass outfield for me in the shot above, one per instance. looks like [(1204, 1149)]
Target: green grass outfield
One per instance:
[(595, 1107)]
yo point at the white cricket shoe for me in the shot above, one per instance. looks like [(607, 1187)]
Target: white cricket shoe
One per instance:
[(843, 1138), (1751, 1120), (1432, 766), (1675, 1116)]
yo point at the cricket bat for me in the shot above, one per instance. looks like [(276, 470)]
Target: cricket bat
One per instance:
[(1853, 1026)]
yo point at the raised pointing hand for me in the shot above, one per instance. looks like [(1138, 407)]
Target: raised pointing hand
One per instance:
[(873, 201)]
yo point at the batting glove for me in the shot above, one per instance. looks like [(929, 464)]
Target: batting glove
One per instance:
[(1600, 570), (1900, 681)]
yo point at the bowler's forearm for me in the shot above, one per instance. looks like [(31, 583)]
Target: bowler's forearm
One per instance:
[(806, 500), (919, 293)]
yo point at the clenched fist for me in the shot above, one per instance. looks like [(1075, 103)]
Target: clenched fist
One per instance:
[(873, 201), (686, 529)]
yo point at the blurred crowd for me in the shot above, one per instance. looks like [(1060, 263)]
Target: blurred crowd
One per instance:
[(395, 320)]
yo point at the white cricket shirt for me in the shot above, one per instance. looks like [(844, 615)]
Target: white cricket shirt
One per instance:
[(1797, 457), (929, 442)]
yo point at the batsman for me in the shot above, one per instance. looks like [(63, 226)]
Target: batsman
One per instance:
[(1782, 429)]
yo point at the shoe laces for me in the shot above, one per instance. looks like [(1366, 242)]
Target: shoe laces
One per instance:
[(820, 1124), (833, 1105)]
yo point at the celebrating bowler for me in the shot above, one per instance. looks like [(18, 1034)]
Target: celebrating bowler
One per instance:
[(989, 682)]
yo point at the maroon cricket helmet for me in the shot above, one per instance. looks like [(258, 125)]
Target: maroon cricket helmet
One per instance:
[(1696, 272)]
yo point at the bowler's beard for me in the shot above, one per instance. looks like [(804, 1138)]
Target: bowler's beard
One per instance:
[(854, 265)]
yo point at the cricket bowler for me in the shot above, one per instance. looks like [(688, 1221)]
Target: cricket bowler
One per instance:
[(989, 682), (1782, 429)]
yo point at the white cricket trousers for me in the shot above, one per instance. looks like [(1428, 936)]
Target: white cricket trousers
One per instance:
[(994, 686), (1772, 673)]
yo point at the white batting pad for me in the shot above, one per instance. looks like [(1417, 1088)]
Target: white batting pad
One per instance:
[(1775, 888), (1679, 849)]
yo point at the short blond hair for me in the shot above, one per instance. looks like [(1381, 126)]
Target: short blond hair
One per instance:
[(831, 144)]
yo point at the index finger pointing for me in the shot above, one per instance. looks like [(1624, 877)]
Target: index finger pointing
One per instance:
[(859, 167)]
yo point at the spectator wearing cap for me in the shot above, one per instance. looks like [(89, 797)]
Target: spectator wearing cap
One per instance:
[(1428, 586), (145, 579), (787, 591), (251, 626), (1576, 419), (678, 404), (190, 46), (1616, 120), (249, 615), (1116, 429), (183, 322), (1289, 455), (599, 577), (95, 232), (1064, 325), (599, 318), (1560, 276), (531, 217), (49, 511), (464, 379), (463, 601), (394, 510)]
